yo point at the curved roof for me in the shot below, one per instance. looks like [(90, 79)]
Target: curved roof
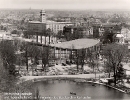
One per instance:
[(77, 44), (118, 36), (43, 11)]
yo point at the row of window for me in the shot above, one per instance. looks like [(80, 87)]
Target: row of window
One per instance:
[(56, 26)]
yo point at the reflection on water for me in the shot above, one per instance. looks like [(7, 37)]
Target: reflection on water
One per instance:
[(60, 89)]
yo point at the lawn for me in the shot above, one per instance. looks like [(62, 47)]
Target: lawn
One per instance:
[(77, 44)]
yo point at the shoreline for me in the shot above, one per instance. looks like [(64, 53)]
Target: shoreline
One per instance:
[(75, 78), (110, 86)]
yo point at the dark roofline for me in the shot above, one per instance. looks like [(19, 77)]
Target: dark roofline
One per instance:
[(72, 26)]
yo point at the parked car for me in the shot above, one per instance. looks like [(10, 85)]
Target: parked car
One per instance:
[(68, 62), (52, 73), (80, 72), (72, 62), (17, 74), (86, 72), (63, 64), (35, 73), (103, 80), (71, 72), (60, 73)]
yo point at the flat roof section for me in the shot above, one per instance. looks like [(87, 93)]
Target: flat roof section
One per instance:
[(49, 21), (76, 44)]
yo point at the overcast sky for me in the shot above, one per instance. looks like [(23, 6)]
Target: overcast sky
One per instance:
[(66, 4)]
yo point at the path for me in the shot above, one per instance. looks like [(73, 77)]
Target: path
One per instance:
[(25, 78)]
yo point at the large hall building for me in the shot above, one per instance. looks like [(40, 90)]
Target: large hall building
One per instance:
[(60, 52), (39, 28)]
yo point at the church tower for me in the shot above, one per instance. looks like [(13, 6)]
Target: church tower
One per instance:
[(43, 16)]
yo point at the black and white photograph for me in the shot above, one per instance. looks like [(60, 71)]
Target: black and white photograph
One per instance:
[(64, 49)]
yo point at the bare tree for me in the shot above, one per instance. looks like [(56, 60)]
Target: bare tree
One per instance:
[(7, 65), (77, 59), (7, 51), (45, 57), (108, 67), (49, 33), (90, 57), (82, 58), (32, 51), (114, 53), (59, 34), (93, 57)]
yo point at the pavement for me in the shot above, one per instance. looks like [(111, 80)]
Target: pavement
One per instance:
[(62, 69), (26, 78)]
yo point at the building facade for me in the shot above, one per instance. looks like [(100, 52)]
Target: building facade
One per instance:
[(75, 32), (102, 29), (40, 27), (57, 26)]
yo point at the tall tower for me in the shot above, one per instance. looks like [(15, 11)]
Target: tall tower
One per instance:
[(43, 16)]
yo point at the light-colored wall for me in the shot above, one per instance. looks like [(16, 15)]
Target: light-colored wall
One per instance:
[(55, 27)]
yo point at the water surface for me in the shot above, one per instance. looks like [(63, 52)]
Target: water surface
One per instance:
[(60, 90)]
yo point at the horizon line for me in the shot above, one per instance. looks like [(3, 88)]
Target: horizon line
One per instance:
[(65, 9)]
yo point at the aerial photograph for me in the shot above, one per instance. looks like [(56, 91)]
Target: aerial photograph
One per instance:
[(64, 49)]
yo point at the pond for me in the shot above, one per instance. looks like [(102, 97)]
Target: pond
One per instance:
[(69, 90)]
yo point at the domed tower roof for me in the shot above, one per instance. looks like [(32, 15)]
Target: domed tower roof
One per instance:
[(43, 11), (118, 36)]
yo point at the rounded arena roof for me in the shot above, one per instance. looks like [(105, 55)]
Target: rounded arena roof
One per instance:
[(77, 44)]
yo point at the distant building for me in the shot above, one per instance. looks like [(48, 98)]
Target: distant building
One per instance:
[(57, 26), (36, 27), (97, 30), (75, 32), (5, 35), (8, 27), (62, 19), (106, 28), (40, 27), (118, 38), (126, 33)]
